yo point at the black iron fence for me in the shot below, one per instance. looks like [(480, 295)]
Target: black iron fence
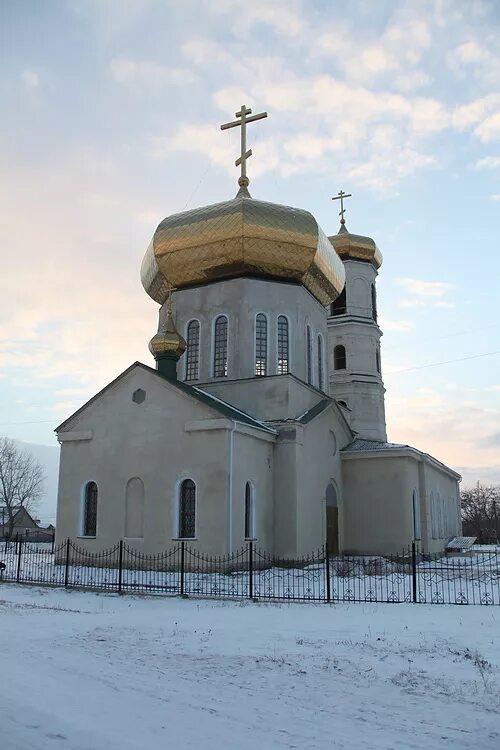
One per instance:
[(255, 574)]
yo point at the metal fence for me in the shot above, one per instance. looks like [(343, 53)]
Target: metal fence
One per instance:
[(255, 574)]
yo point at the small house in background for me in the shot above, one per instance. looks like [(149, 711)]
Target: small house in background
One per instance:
[(25, 526)]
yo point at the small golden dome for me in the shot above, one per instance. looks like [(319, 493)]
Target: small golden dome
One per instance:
[(237, 238), (168, 340), (356, 246)]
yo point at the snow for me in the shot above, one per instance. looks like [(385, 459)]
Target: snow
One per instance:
[(95, 671)]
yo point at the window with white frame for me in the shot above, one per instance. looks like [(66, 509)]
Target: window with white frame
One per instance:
[(309, 355), (220, 347), (89, 526), (261, 345), (193, 350), (187, 509), (283, 345), (249, 511)]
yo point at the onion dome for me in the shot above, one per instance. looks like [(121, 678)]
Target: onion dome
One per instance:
[(356, 247), (168, 342), (241, 237)]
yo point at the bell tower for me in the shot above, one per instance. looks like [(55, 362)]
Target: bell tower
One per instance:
[(354, 334)]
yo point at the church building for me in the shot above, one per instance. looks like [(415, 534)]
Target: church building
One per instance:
[(264, 416)]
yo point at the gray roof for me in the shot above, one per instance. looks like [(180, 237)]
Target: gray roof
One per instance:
[(361, 444)]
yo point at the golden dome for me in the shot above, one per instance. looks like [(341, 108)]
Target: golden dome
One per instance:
[(168, 340), (356, 246), (241, 237)]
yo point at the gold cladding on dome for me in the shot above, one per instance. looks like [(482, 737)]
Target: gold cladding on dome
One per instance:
[(168, 340), (356, 246), (241, 237)]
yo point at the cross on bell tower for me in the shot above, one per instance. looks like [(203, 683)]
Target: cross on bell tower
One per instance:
[(340, 196), (242, 122)]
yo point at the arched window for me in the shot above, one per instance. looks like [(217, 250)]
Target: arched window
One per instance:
[(377, 359), (339, 358), (283, 354), (416, 516), (338, 306), (249, 512), (187, 509), (193, 350), (134, 508), (320, 363), (309, 354), (90, 510), (374, 303), (220, 347), (261, 344)]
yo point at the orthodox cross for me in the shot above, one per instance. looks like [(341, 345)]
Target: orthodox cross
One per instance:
[(242, 122), (340, 196)]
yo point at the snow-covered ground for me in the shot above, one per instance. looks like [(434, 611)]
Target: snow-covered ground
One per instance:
[(89, 671)]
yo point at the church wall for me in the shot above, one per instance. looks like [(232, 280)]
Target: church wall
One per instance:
[(287, 465), (320, 464), (267, 398), (253, 462), (378, 511), (241, 300), (148, 441), (440, 495)]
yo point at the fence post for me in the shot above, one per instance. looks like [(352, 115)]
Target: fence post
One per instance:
[(120, 567), (414, 571), (250, 570), (19, 553), (182, 568), (327, 573), (66, 572)]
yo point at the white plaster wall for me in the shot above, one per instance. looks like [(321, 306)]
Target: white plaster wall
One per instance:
[(270, 398), (360, 384), (254, 462), (148, 441), (241, 300), (378, 501)]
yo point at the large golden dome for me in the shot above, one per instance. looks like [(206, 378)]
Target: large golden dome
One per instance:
[(356, 246), (237, 238)]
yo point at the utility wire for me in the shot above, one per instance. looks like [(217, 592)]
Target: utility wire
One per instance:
[(446, 362)]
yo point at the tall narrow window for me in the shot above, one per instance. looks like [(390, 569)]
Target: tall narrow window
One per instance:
[(320, 363), (220, 347), (338, 306), (309, 354), (283, 354), (90, 510), (261, 344), (193, 350), (134, 508), (377, 359), (339, 358), (249, 512), (374, 303), (187, 510), (416, 516)]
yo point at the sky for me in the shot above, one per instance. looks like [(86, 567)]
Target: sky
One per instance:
[(110, 122)]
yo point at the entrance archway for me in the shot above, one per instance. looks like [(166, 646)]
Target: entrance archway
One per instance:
[(332, 519)]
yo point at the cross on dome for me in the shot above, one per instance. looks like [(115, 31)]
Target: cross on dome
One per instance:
[(242, 122), (340, 196)]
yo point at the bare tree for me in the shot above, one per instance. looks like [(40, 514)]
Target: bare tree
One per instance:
[(21, 482), (481, 513)]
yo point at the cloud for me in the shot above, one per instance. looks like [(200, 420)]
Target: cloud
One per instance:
[(144, 73), (396, 325), (31, 79), (488, 162), (421, 293), (495, 197), (489, 129)]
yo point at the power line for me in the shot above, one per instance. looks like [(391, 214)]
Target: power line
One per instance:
[(446, 362)]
